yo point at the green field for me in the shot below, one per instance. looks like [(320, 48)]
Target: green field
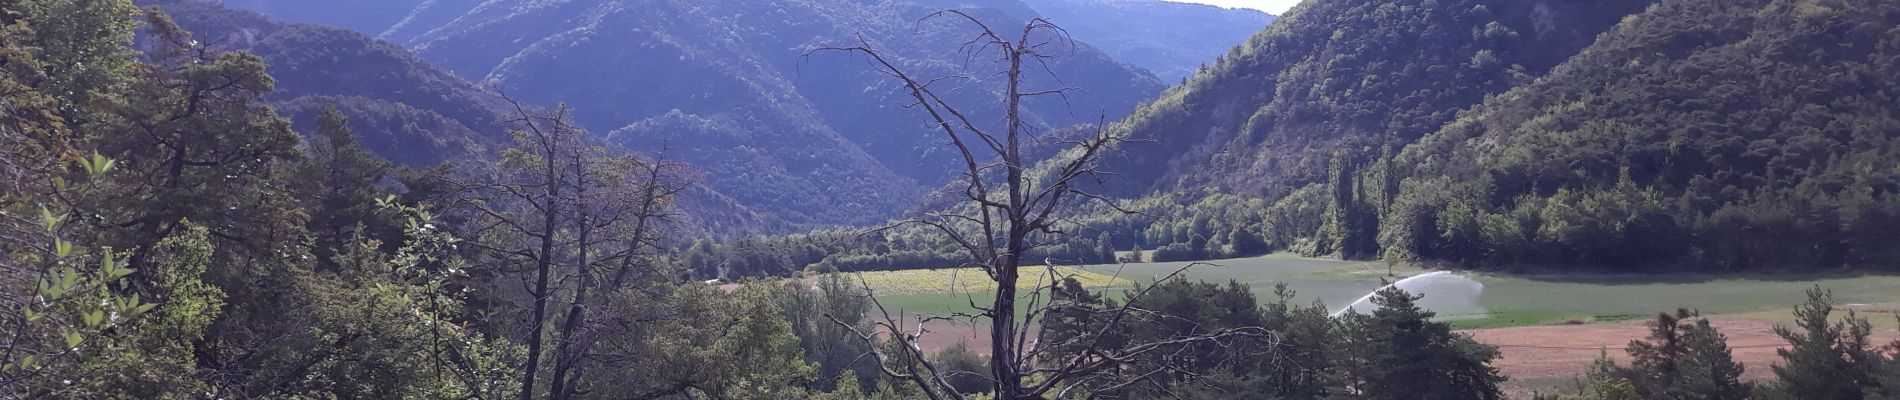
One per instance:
[(1509, 300)]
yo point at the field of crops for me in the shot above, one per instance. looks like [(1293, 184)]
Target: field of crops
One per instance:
[(1510, 300), (1551, 325), (974, 281)]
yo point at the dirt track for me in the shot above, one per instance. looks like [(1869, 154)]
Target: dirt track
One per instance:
[(1544, 357), (1552, 355)]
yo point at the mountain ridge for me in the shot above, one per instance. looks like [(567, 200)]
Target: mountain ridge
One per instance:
[(402, 108), (816, 135)]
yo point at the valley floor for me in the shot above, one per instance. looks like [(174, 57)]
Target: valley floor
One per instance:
[(1548, 327), (1554, 358)]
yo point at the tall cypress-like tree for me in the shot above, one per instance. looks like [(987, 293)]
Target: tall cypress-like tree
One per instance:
[(1351, 225)]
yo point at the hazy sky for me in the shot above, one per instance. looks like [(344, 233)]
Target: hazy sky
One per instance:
[(1275, 7)]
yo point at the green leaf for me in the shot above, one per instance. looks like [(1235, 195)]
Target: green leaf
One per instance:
[(26, 362), (50, 289), (94, 317), (73, 339), (33, 316), (62, 248), (49, 220), (96, 165), (143, 308)]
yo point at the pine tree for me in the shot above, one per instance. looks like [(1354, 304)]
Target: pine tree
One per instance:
[(339, 187), (1607, 381), (1397, 352), (85, 49), (1302, 367), (1827, 359), (1685, 357)]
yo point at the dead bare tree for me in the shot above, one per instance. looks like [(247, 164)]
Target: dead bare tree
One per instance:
[(523, 209), (1009, 212), (621, 203), (582, 219)]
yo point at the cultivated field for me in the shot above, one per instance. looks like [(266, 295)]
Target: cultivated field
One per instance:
[(1508, 300), (1547, 326), (972, 280)]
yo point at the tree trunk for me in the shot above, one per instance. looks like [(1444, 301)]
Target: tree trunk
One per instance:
[(564, 359), (543, 263), (1003, 351)]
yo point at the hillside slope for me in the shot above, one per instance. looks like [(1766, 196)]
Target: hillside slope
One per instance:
[(1344, 74), (729, 86), (421, 115), (1704, 133), (1172, 40), (403, 108)]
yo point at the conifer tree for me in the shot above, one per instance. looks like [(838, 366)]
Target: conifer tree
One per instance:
[(1825, 358), (1398, 352), (1685, 358), (339, 187)]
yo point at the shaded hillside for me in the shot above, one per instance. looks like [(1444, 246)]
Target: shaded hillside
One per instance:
[(1341, 74), (1172, 40), (1704, 133), (418, 114)]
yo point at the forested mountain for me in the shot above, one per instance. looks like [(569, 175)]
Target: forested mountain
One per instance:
[(1237, 160), (403, 108), (1172, 40), (418, 114), (1717, 134), (167, 231), (368, 16), (1689, 134), (730, 86), (1336, 74)]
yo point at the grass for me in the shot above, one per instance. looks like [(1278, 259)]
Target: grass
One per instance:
[(1511, 300), (972, 280), (1510, 318)]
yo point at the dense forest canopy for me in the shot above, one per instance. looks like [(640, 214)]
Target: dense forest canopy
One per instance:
[(1717, 134)]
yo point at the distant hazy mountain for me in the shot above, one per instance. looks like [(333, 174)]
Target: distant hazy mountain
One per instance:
[(408, 110), (728, 86), (1171, 39), (370, 16), (402, 107)]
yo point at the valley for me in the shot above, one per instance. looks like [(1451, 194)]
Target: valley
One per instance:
[(1548, 327), (949, 199)]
